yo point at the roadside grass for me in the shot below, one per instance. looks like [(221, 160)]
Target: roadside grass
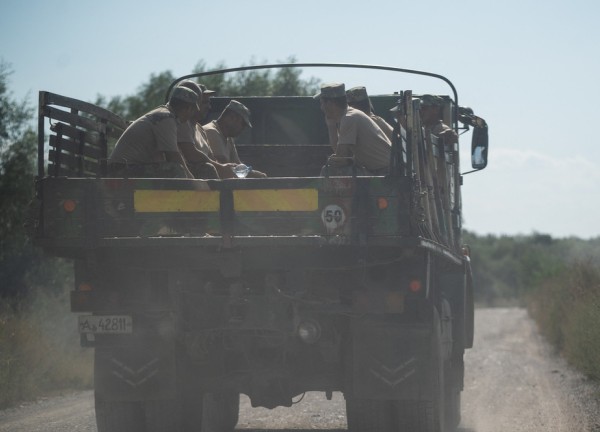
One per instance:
[(39, 349), (582, 344), (567, 310)]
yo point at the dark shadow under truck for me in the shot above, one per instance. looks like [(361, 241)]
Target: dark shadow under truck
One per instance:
[(195, 291)]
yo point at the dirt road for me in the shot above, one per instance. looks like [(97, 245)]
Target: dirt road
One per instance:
[(513, 383)]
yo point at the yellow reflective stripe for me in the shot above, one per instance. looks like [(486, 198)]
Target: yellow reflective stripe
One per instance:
[(276, 200), (162, 201)]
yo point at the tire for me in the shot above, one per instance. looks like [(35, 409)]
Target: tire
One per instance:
[(453, 408), (140, 416), (191, 414), (415, 416), (190, 396), (426, 415), (220, 412), (469, 312), (364, 415), (454, 383), (367, 415), (118, 416), (162, 415)]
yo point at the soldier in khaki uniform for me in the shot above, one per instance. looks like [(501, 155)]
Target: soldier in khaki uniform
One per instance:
[(355, 138), (200, 133), (439, 141), (431, 118), (358, 98), (193, 141), (221, 134), (148, 147)]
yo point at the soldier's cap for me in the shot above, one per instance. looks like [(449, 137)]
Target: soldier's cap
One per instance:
[(184, 94), (356, 94), (192, 85), (205, 90), (331, 90), (240, 109), (431, 100)]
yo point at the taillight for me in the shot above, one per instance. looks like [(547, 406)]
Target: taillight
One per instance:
[(415, 285), (69, 205), (85, 286)]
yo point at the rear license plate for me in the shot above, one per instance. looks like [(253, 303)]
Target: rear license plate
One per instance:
[(105, 324)]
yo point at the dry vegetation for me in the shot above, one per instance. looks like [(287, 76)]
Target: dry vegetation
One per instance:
[(39, 349), (567, 309), (557, 279)]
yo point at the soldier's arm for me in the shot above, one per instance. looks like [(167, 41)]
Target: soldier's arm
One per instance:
[(178, 158), (191, 153), (332, 129)]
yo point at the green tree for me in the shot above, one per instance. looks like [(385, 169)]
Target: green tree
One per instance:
[(14, 115), (22, 266), (264, 82), (267, 82), (509, 268), (149, 96), (17, 156)]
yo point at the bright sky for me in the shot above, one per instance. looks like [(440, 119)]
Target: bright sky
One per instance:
[(530, 68)]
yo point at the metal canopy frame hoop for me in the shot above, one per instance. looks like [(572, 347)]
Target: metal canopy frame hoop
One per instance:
[(322, 65)]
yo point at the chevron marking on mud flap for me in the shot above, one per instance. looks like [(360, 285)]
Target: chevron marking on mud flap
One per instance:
[(393, 376), (134, 378)]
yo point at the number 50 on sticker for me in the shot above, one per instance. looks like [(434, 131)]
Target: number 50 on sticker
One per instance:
[(333, 217)]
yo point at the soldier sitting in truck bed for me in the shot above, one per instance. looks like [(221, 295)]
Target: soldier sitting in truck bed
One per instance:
[(148, 147), (431, 118), (221, 134), (193, 142), (359, 145), (358, 98)]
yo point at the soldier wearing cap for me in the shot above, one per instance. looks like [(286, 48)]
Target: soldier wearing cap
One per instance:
[(358, 98), (354, 136), (431, 118), (193, 142), (221, 134), (148, 147), (201, 115)]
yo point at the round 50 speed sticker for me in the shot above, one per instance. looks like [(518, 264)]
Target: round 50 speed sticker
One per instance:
[(333, 217)]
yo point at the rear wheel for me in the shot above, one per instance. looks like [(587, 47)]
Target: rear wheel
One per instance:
[(162, 415), (426, 415), (452, 409), (367, 415), (220, 412), (118, 416), (454, 374), (191, 414), (416, 416), (139, 416)]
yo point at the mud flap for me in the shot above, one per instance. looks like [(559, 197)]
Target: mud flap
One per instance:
[(136, 372), (391, 361)]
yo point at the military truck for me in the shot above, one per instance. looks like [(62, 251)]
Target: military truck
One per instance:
[(192, 292)]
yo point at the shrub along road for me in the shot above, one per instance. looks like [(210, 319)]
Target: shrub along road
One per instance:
[(513, 382)]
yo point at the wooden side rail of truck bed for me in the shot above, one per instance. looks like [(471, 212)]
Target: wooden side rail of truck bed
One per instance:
[(79, 134)]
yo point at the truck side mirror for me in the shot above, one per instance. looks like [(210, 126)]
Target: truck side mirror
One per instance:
[(479, 148)]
